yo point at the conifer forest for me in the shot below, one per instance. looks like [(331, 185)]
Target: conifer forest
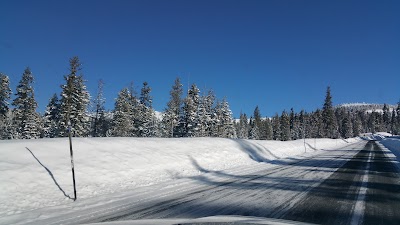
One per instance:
[(190, 115)]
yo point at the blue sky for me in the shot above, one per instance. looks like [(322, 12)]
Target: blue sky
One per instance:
[(274, 54)]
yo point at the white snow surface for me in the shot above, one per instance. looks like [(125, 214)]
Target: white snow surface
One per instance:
[(36, 179)]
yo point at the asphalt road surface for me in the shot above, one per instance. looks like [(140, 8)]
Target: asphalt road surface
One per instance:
[(359, 184), (366, 189)]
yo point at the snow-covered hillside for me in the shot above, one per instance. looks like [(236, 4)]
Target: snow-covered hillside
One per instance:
[(37, 173), (366, 107)]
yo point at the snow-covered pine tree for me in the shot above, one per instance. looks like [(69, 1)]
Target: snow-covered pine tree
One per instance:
[(293, 136), (122, 124), (243, 126), (227, 129), (317, 124), (328, 116), (276, 127), (357, 126), (268, 129), (206, 114), (386, 118), (255, 130), (173, 112), (347, 126), (145, 122), (190, 112), (99, 121), (302, 124), (51, 118), (393, 123), (285, 126), (254, 133), (5, 115), (74, 102), (26, 120)]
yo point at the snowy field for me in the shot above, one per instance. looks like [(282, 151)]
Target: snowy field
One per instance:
[(36, 180)]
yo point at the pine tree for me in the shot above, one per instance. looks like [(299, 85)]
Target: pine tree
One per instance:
[(347, 126), (316, 125), (285, 126), (393, 122), (268, 129), (100, 123), (206, 114), (145, 122), (386, 118), (51, 118), (254, 133), (357, 125), (74, 102), (276, 127), (256, 126), (328, 116), (190, 112), (302, 125), (227, 129), (25, 118), (122, 124), (173, 111), (243, 126), (5, 116)]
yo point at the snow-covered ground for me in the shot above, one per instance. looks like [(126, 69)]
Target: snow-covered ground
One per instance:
[(36, 180)]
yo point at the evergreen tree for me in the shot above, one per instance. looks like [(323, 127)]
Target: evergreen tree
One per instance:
[(256, 126), (173, 111), (316, 125), (254, 133), (25, 118), (393, 123), (386, 118), (285, 126), (268, 129), (74, 102), (5, 117), (122, 124), (190, 112), (328, 116), (226, 127), (145, 122), (295, 126), (347, 127), (243, 126), (51, 118), (357, 125), (99, 121), (206, 114), (276, 127), (302, 124)]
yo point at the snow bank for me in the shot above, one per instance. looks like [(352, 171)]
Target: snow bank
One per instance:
[(393, 144), (37, 173)]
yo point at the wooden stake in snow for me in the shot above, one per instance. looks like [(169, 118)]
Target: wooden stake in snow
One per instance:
[(72, 158)]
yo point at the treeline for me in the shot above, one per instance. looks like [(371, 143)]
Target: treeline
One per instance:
[(195, 115), (328, 122)]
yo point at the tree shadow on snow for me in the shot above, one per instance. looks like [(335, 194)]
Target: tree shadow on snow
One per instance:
[(50, 173)]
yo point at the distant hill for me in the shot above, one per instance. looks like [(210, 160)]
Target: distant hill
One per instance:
[(366, 107)]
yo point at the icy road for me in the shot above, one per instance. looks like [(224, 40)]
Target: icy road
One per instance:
[(359, 184)]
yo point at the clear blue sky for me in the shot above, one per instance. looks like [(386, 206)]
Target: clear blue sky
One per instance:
[(275, 54)]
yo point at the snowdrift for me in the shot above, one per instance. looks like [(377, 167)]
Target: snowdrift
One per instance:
[(37, 173)]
